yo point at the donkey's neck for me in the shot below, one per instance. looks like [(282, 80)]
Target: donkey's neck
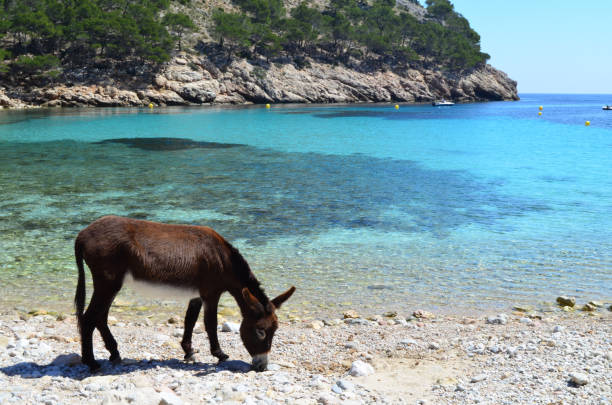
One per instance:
[(237, 294), (255, 290), (245, 279)]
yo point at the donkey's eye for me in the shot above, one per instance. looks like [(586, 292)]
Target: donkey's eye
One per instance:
[(261, 333)]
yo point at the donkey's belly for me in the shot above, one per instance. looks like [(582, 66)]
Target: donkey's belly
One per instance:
[(159, 290)]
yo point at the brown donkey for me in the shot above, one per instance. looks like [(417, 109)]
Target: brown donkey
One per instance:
[(193, 258)]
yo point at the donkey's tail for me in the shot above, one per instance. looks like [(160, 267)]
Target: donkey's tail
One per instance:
[(79, 297)]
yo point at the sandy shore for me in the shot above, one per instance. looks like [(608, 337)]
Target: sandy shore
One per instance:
[(513, 358)]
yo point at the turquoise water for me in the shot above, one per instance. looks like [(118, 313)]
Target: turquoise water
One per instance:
[(474, 206)]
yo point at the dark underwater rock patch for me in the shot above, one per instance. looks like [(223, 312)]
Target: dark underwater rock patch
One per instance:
[(167, 144), (380, 287)]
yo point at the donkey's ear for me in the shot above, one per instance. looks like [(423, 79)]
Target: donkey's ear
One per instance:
[(278, 301), (252, 302)]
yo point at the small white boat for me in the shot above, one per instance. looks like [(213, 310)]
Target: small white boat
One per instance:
[(607, 107), (442, 103)]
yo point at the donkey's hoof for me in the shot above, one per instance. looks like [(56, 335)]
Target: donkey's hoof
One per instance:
[(115, 360), (222, 357), (190, 355)]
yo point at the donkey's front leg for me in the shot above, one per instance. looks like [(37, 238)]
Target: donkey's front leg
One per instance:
[(193, 310), (210, 322)]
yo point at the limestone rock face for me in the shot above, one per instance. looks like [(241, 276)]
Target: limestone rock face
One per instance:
[(488, 84), (160, 97), (196, 94), (183, 74), (99, 96), (8, 102), (322, 83), (193, 79)]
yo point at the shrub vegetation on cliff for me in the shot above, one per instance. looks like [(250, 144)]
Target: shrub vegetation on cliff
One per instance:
[(375, 30), (41, 34), (38, 37)]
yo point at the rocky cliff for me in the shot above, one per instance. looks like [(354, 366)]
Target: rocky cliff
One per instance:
[(194, 79)]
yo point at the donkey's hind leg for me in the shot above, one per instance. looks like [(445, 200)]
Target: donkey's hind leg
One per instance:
[(102, 324), (88, 324), (193, 310)]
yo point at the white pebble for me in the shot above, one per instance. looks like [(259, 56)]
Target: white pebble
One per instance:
[(93, 387), (360, 368), (408, 342), (579, 379), (478, 348), (316, 325), (345, 385), (478, 378), (230, 327), (43, 348), (500, 319), (241, 388), (326, 399), (168, 398)]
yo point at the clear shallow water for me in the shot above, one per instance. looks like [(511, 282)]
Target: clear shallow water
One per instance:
[(478, 205)]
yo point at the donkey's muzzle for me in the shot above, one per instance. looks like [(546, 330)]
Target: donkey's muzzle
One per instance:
[(260, 362)]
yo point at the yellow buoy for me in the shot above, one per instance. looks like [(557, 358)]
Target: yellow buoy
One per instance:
[(540, 113), (541, 108), (267, 105), (150, 105), (396, 107), (587, 123)]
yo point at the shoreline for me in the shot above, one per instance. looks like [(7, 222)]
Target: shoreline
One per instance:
[(138, 304), (538, 359), (230, 105)]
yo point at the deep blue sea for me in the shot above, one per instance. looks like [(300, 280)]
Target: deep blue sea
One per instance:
[(480, 205)]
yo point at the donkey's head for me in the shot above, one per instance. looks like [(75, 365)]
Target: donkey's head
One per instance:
[(258, 326)]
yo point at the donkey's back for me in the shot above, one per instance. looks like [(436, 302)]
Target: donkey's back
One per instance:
[(153, 252)]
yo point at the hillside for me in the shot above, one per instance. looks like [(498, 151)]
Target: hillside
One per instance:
[(136, 52)]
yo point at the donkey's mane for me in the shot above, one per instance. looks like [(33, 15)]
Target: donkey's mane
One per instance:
[(247, 278)]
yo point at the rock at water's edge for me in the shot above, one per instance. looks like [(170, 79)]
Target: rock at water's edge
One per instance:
[(566, 301)]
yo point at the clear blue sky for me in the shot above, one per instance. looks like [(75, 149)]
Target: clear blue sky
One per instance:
[(546, 46)]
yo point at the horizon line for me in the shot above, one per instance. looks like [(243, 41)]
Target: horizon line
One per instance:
[(573, 93)]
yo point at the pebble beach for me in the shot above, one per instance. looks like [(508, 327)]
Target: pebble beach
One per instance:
[(514, 357)]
